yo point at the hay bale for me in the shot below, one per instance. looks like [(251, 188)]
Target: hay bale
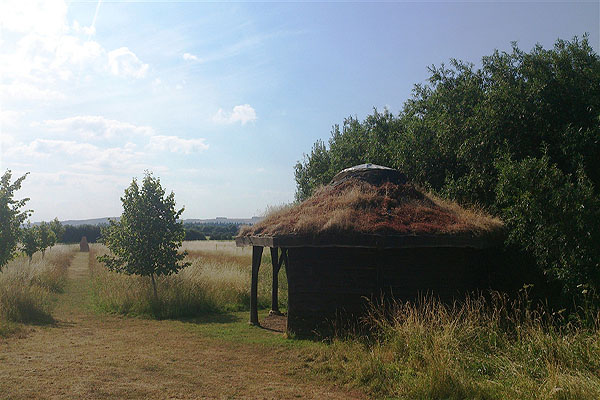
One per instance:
[(83, 245)]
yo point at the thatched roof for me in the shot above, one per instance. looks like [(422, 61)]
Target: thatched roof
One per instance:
[(373, 206)]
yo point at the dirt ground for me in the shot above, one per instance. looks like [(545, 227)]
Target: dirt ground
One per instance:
[(89, 355)]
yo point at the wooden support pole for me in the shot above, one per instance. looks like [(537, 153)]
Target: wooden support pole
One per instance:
[(284, 257), (256, 258), (276, 261)]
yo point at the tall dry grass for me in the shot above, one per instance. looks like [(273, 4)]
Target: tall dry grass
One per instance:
[(479, 349), (217, 280), (26, 288)]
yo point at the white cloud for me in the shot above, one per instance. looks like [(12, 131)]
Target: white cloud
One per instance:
[(190, 57), (96, 127), (44, 148), (6, 141), (9, 118), (44, 49), (243, 113), (176, 144), (43, 46), (86, 30), (123, 62), (80, 157), (37, 16), (27, 91)]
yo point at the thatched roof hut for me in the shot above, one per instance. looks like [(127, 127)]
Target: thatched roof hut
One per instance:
[(367, 233)]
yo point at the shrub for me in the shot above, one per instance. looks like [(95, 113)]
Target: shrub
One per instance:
[(553, 216)]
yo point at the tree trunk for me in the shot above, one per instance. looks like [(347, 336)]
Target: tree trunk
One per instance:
[(154, 287)]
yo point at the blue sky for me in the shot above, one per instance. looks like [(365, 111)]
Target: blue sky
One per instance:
[(221, 99)]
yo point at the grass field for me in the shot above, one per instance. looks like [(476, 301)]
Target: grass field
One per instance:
[(216, 281), (196, 342), (88, 353), (26, 288), (480, 349)]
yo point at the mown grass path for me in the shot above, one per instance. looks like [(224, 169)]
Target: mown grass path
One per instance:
[(91, 355)]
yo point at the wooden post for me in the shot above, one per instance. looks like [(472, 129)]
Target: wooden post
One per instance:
[(256, 258), (276, 261)]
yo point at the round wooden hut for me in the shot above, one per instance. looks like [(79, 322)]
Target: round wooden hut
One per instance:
[(369, 233)]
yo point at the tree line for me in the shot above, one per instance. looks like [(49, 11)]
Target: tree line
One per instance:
[(518, 136), (203, 231), (193, 231)]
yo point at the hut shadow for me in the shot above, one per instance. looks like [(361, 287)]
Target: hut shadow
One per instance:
[(211, 318), (274, 323), (39, 318)]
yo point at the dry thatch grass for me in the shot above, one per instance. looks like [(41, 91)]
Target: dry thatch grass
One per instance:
[(358, 207)]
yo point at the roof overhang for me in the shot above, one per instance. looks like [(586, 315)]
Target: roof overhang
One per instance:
[(372, 241)]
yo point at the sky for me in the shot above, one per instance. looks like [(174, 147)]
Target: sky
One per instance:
[(220, 100)]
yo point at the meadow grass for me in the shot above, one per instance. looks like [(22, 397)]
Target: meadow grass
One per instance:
[(216, 281), (26, 288), (478, 349), (482, 348)]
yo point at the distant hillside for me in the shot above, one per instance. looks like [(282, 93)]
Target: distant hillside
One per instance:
[(215, 221), (93, 221), (224, 220)]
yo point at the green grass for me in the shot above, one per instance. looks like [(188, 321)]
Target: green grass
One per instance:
[(234, 327)]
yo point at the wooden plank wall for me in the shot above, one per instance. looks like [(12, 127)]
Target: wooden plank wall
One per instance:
[(327, 282)]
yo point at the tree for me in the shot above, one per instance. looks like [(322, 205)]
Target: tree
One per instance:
[(519, 136), (194, 234), (47, 237), (30, 240), (12, 216), (145, 241), (58, 229)]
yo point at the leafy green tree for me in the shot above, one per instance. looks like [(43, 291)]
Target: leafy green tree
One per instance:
[(58, 229), (370, 141), (315, 170), (12, 216), (554, 216), (30, 240), (519, 135), (47, 237), (146, 239)]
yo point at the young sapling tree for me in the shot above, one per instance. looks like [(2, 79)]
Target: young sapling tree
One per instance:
[(58, 229), (47, 237), (146, 239), (12, 216), (30, 240)]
